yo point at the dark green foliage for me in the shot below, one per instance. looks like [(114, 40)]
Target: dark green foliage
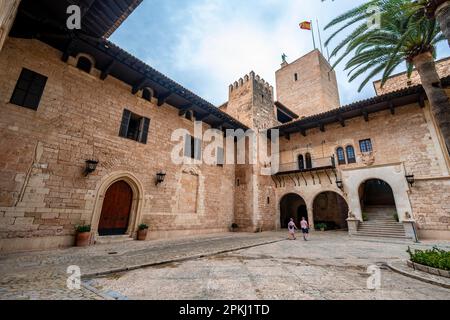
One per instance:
[(435, 258)]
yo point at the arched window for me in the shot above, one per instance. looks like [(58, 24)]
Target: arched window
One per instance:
[(301, 162), (341, 156), (351, 157), (147, 95), (84, 64), (308, 161)]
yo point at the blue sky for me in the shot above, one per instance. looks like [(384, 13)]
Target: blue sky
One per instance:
[(206, 45)]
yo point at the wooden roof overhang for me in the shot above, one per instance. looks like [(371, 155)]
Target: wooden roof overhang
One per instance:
[(365, 108), (31, 22)]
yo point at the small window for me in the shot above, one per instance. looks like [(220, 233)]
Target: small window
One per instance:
[(351, 157), (29, 89), (147, 95), (296, 77), (366, 145), (238, 182), (301, 162), (84, 64), (134, 127), (341, 156), (268, 200), (193, 148), (308, 161)]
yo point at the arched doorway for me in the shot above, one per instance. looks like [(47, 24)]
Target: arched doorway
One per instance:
[(377, 200), (116, 209), (332, 210), (292, 206)]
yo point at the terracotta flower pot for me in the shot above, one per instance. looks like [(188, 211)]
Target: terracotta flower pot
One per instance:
[(142, 234), (83, 239)]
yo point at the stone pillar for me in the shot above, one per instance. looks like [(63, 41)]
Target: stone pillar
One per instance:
[(311, 217), (353, 224), (410, 230)]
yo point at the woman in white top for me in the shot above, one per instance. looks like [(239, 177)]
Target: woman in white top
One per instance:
[(292, 227)]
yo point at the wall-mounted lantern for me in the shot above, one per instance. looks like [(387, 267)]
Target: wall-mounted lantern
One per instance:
[(160, 177), (340, 184), (91, 166), (411, 179)]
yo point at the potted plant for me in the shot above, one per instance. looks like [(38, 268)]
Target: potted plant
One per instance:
[(321, 226), (83, 236), (142, 232), (234, 227)]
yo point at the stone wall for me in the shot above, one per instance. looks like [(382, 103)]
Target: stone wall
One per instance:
[(8, 10), (315, 90), (407, 140), (401, 81), (43, 192)]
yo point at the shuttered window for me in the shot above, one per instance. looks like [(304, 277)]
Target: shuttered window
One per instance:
[(134, 127), (193, 148), (29, 89)]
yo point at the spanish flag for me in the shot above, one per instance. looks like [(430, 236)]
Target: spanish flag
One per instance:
[(305, 25)]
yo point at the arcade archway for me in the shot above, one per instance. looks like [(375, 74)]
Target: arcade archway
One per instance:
[(292, 206), (332, 210)]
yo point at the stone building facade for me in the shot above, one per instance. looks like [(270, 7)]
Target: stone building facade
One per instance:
[(63, 102)]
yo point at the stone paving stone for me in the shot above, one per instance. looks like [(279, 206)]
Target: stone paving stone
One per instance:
[(331, 266)]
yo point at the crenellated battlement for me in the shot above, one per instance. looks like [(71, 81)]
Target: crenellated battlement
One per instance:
[(262, 84)]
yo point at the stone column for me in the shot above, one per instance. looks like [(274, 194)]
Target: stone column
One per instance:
[(311, 217), (353, 224)]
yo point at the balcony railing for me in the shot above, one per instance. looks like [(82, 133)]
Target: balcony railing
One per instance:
[(316, 165)]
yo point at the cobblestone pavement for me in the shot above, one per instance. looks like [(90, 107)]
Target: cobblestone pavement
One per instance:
[(331, 266), (43, 275)]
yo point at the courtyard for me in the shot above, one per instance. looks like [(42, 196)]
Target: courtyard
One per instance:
[(221, 266)]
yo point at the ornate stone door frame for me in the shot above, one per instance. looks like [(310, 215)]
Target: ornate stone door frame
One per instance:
[(393, 174), (137, 202)]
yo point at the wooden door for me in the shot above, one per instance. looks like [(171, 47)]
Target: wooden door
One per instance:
[(116, 210)]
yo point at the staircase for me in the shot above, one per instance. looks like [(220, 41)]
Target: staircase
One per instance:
[(381, 224)]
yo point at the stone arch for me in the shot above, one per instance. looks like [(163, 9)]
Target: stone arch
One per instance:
[(299, 207), (136, 206), (393, 175), (330, 207), (87, 57)]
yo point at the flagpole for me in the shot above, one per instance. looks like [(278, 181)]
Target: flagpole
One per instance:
[(320, 38), (312, 31)]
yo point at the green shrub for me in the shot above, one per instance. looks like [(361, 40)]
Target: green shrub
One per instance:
[(321, 226), (143, 226), (435, 258), (83, 229), (365, 217)]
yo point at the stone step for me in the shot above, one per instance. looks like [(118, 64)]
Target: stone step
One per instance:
[(381, 235), (382, 229), (113, 239)]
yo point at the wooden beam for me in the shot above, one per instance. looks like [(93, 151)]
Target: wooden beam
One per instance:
[(201, 117), (366, 115), (303, 132), (138, 86), (341, 120), (107, 70), (288, 136), (392, 108), (322, 127), (184, 109), (163, 98), (68, 51)]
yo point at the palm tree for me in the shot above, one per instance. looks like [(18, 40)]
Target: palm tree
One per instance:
[(440, 10), (400, 38)]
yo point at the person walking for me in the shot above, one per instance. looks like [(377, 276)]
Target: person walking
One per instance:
[(292, 227), (305, 228)]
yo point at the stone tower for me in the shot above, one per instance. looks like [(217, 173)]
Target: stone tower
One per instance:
[(251, 101), (308, 85)]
